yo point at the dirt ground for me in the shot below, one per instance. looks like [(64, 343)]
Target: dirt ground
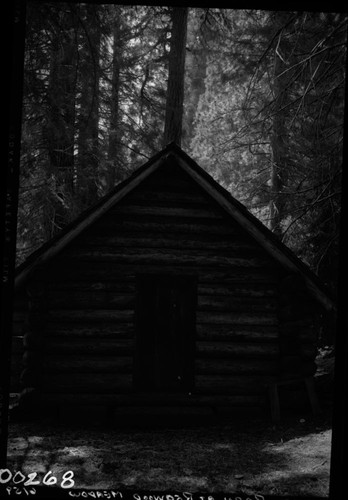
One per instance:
[(196, 453), (201, 454)]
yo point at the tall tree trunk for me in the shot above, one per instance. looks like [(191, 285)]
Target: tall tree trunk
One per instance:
[(278, 169), (114, 148), (61, 114), (195, 73), (88, 120), (176, 73)]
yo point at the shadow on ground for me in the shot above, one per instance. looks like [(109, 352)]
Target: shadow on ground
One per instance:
[(201, 453)]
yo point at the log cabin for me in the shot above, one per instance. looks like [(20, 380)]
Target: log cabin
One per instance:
[(168, 292)]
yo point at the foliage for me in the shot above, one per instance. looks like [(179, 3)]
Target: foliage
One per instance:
[(274, 110), (263, 113)]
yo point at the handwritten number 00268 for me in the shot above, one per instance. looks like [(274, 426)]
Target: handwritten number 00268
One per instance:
[(48, 479)]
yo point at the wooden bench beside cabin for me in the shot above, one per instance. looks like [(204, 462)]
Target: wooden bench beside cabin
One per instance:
[(167, 292)]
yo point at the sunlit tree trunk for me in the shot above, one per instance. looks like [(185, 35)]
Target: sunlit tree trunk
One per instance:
[(60, 127), (278, 147), (88, 120), (114, 148), (176, 72), (195, 73)]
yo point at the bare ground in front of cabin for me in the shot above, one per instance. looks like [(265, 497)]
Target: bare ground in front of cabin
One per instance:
[(291, 457), (204, 454)]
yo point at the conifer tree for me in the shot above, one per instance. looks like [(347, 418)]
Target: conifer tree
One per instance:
[(176, 71)]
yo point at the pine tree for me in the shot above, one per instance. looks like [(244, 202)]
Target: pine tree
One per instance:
[(115, 132), (87, 165), (175, 90), (61, 112)]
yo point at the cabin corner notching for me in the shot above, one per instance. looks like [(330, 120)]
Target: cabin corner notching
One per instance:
[(167, 292)]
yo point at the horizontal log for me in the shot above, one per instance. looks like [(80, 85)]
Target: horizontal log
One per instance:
[(233, 303), (76, 363), (85, 383), (161, 198), (175, 211), (236, 366), (108, 300), (223, 332), (165, 257), (234, 384), (94, 299), (231, 318), (267, 276), (241, 290), (104, 346), (98, 330), (151, 399), (127, 331), (106, 307), (187, 242), (183, 225), (81, 346), (69, 270), (127, 286), (90, 315), (170, 184), (233, 350)]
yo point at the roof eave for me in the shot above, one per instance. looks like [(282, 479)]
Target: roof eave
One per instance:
[(257, 230), (54, 246), (231, 206)]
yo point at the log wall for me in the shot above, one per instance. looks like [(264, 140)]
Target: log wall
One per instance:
[(17, 349), (168, 226), (298, 316)]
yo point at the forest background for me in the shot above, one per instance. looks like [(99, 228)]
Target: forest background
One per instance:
[(262, 112)]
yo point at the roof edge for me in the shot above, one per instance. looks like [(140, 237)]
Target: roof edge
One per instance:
[(90, 215), (233, 207), (270, 242)]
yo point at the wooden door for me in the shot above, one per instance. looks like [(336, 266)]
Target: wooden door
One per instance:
[(165, 328)]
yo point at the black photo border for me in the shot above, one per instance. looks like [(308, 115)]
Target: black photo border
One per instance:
[(13, 49)]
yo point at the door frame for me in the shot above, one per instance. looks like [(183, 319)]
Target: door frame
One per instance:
[(179, 279)]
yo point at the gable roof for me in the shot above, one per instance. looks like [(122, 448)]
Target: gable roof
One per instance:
[(273, 246)]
